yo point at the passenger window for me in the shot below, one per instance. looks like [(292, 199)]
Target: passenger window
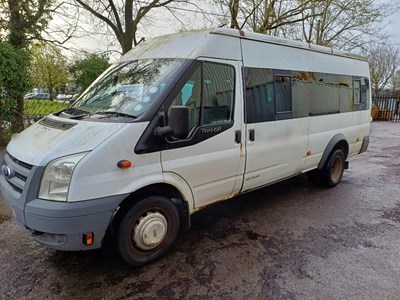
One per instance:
[(260, 105), (190, 96), (210, 98), (283, 95), (219, 82), (357, 91)]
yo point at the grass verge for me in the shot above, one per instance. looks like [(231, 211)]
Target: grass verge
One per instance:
[(42, 107)]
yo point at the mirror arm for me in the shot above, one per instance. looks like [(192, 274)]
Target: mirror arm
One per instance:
[(163, 131)]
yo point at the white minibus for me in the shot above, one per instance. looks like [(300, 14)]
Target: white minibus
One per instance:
[(180, 122)]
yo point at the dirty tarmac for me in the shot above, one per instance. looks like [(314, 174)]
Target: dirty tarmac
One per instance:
[(292, 240)]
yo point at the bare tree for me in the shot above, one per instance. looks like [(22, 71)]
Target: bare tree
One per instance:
[(396, 83), (383, 62), (264, 16), (345, 24), (342, 24), (50, 21), (124, 17)]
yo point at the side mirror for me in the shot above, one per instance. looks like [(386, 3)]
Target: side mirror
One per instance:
[(178, 123)]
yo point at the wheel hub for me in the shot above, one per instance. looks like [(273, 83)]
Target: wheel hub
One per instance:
[(150, 230), (336, 169)]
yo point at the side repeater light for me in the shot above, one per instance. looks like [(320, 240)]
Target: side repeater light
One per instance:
[(124, 164)]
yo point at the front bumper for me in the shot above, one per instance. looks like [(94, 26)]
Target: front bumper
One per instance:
[(62, 225), (59, 225)]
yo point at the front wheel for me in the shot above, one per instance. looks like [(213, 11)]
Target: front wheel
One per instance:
[(147, 230), (333, 171)]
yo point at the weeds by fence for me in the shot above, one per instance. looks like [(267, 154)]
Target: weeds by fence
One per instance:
[(34, 110)]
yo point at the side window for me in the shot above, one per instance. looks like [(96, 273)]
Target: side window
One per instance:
[(323, 94), (283, 94), (364, 92), (268, 97), (260, 106), (357, 91), (209, 95), (360, 93), (218, 97), (190, 96)]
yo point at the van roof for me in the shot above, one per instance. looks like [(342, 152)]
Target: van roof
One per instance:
[(270, 39), (193, 44)]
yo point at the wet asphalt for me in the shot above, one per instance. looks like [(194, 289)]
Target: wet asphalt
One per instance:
[(292, 240)]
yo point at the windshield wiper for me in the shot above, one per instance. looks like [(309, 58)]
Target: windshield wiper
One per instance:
[(115, 113), (76, 113)]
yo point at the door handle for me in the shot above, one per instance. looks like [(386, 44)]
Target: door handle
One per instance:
[(252, 135), (238, 136)]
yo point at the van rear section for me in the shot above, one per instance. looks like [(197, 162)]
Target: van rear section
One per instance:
[(179, 123)]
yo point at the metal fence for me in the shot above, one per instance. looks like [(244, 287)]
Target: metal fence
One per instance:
[(386, 108)]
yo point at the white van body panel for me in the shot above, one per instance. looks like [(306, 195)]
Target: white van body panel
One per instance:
[(98, 176), (287, 57), (39, 144), (182, 186), (277, 152), (187, 45)]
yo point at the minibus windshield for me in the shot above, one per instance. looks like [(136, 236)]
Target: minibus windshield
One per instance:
[(128, 89)]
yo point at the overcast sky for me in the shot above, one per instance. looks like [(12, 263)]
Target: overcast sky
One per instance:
[(393, 27)]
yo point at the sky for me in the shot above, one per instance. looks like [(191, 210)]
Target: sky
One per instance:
[(393, 27)]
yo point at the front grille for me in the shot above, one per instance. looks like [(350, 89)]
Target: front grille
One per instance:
[(16, 188), (21, 163), (18, 172)]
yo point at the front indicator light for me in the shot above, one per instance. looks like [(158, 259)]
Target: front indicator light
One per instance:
[(88, 238)]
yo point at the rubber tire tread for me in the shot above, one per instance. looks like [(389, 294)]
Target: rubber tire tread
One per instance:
[(326, 171)]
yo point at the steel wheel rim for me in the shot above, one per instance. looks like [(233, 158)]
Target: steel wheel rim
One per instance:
[(336, 170), (149, 231)]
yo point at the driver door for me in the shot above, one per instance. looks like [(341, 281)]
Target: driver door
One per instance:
[(211, 158)]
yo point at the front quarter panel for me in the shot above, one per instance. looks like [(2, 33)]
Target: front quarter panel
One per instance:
[(98, 175)]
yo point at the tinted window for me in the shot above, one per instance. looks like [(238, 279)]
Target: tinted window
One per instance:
[(260, 105), (357, 91), (209, 95), (283, 92)]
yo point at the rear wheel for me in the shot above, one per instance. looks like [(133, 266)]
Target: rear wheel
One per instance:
[(147, 230), (333, 170)]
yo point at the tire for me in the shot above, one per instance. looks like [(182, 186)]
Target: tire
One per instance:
[(333, 170), (147, 231)]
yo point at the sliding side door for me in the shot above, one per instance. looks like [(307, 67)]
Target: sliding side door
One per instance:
[(276, 143)]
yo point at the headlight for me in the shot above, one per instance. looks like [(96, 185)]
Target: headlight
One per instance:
[(57, 177)]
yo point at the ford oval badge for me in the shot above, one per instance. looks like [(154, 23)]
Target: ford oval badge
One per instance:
[(6, 172)]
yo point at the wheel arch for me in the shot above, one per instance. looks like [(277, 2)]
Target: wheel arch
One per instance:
[(339, 141), (156, 189)]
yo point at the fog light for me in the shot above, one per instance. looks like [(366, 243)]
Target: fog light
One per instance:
[(88, 238)]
